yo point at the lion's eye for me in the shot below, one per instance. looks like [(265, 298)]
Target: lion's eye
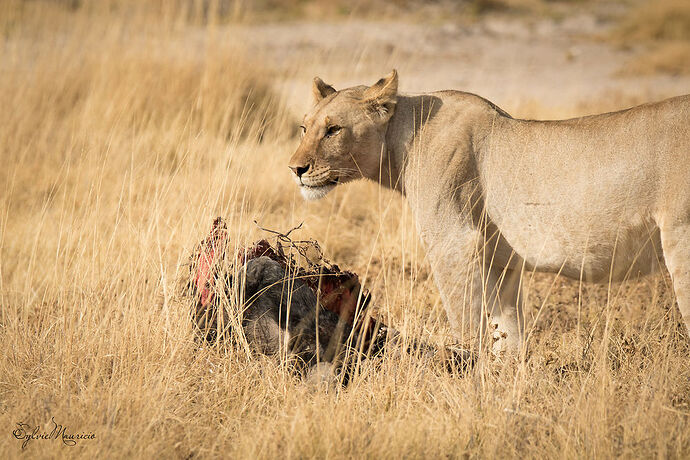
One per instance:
[(332, 130), (303, 130)]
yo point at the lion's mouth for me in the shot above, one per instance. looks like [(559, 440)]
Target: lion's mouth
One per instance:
[(317, 191), (328, 183)]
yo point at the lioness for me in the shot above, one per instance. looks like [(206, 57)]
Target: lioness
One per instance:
[(596, 198)]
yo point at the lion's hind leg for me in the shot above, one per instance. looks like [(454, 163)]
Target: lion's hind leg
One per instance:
[(675, 240)]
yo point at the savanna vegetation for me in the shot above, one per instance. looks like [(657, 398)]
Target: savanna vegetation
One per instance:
[(126, 127)]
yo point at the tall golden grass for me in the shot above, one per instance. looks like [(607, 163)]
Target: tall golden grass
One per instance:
[(662, 25), (123, 132)]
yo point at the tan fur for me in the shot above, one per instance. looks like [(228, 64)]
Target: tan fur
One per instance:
[(597, 198)]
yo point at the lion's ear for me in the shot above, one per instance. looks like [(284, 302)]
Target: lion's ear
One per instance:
[(380, 98), (321, 90)]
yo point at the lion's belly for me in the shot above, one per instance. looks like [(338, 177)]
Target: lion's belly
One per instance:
[(579, 244)]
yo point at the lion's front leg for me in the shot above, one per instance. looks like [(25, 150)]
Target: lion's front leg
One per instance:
[(481, 299), (505, 309)]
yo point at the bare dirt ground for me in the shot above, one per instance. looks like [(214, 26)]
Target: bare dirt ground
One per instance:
[(534, 67)]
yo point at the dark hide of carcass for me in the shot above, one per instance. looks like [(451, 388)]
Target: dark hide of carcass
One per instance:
[(288, 305)]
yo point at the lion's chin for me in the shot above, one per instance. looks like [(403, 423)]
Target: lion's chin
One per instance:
[(315, 193)]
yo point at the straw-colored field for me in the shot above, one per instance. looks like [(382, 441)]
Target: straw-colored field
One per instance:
[(125, 129)]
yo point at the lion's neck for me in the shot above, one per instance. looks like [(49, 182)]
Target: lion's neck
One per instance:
[(421, 122), (411, 113), (391, 172)]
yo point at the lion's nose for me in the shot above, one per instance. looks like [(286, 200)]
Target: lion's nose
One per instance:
[(299, 170)]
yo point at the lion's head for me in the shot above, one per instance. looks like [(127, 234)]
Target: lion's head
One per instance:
[(343, 135)]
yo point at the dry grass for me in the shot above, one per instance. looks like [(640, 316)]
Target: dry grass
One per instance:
[(122, 135), (664, 27), (378, 10), (657, 20), (672, 58)]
